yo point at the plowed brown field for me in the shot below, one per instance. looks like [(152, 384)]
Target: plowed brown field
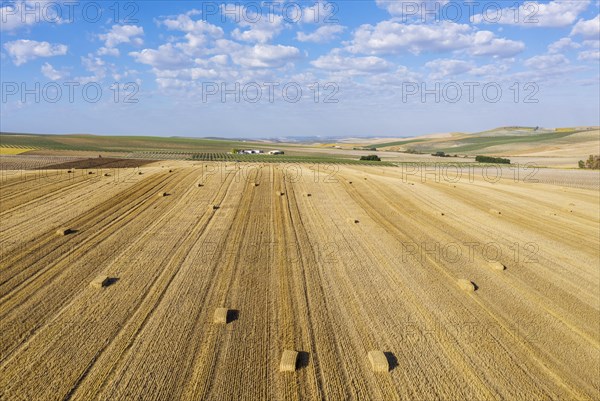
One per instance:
[(369, 261)]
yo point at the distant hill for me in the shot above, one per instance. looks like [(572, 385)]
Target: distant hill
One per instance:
[(499, 141), (573, 143), (86, 142)]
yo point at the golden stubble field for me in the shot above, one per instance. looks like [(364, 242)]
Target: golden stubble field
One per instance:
[(334, 267)]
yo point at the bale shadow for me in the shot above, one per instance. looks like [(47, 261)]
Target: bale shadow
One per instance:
[(303, 359), (111, 281), (233, 315), (392, 360), (475, 286)]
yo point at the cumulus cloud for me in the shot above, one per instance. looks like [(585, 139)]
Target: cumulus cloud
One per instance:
[(557, 13), (443, 68), (592, 44), (548, 68), (588, 29), (265, 56), (446, 68), (184, 23), (199, 34), (589, 55), (561, 45), (220, 59), (194, 73), (253, 27), (122, 34), (96, 66), (51, 73), (388, 37), (335, 61), (395, 78), (107, 51), (393, 37), (323, 34), (546, 61), (24, 50), (486, 44), (593, 52), (259, 32), (165, 57), (204, 53), (492, 70)]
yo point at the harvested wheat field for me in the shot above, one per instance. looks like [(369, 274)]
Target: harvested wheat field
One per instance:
[(125, 306)]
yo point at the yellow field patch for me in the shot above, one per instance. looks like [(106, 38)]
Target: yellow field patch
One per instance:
[(13, 151)]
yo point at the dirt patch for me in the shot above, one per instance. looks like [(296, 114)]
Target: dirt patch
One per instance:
[(101, 162)]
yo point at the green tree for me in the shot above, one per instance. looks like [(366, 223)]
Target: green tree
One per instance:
[(371, 158), (593, 162), (488, 159)]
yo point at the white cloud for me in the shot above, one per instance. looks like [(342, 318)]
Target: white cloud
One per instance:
[(589, 55), (393, 37), (588, 29), (401, 75), (594, 44), (23, 50), (259, 32), (547, 62), (221, 59), (198, 33), (486, 44), (556, 68), (562, 44), (169, 56), (184, 23), (107, 51), (189, 74), (165, 57), (51, 73), (557, 13), (96, 66), (335, 61), (492, 70), (593, 53), (443, 68), (259, 28), (323, 34), (122, 34), (265, 56)]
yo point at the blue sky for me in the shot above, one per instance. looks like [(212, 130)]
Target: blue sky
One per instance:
[(305, 68)]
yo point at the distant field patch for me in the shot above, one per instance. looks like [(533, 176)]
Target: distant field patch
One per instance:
[(396, 143), (480, 143), (258, 158), (101, 162), (9, 150)]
